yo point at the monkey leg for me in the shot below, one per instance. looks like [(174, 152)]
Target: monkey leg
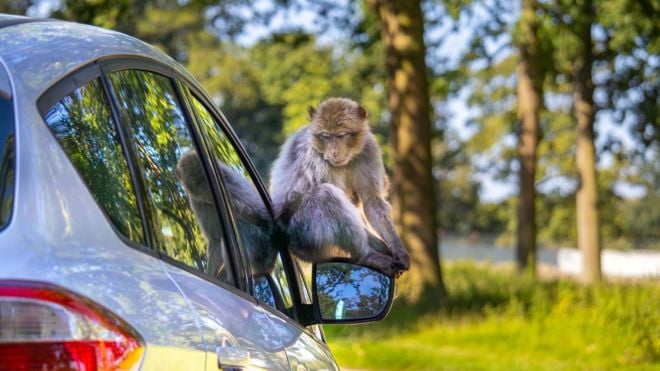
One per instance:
[(327, 224), (325, 221)]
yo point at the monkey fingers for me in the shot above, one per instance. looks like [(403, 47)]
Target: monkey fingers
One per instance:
[(381, 263), (401, 258)]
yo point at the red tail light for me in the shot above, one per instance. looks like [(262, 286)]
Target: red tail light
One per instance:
[(43, 327)]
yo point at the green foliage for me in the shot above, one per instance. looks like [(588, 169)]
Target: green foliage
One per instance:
[(459, 209), (497, 320), (267, 101), (264, 90)]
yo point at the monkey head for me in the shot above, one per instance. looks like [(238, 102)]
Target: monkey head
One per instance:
[(339, 127), (190, 172)]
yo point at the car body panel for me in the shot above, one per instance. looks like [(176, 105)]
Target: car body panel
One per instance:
[(28, 51), (51, 239), (226, 317)]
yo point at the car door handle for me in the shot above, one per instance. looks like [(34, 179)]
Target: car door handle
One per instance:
[(231, 357)]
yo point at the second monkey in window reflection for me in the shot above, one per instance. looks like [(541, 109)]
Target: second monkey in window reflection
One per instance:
[(326, 174), (252, 219)]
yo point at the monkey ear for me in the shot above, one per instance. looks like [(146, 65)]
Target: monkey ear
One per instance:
[(311, 111), (361, 112)]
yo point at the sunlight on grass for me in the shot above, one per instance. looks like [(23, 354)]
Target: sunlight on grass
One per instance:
[(497, 321)]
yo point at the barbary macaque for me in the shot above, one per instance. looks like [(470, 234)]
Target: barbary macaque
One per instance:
[(254, 223), (329, 185)]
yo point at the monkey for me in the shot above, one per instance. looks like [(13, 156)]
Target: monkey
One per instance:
[(323, 175), (254, 223)]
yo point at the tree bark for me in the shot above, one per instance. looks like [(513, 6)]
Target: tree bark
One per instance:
[(413, 195), (587, 193), (530, 96)]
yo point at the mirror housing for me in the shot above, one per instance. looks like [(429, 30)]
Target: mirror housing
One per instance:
[(348, 293)]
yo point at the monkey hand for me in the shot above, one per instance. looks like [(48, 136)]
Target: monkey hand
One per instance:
[(401, 257), (383, 263), (400, 254), (400, 261)]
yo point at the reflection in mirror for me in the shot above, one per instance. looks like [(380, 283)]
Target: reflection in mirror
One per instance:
[(351, 292), (263, 291)]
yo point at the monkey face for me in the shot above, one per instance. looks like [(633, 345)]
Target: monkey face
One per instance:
[(339, 127), (338, 148)]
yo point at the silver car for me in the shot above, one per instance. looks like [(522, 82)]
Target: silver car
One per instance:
[(134, 230)]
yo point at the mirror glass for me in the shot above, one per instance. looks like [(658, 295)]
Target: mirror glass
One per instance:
[(263, 290), (351, 292)]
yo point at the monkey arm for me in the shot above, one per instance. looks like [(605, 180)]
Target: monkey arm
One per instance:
[(378, 213)]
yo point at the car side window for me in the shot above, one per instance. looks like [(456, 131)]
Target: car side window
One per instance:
[(187, 224), (250, 214), (83, 125), (7, 158)]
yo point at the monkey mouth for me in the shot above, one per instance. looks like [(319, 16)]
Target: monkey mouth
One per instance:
[(337, 162)]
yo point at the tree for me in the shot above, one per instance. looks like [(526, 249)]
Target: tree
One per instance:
[(506, 70), (530, 100), (588, 237), (413, 196)]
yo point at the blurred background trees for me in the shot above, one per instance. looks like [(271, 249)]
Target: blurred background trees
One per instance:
[(534, 123)]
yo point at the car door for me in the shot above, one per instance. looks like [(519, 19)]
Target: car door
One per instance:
[(106, 257), (272, 274), (189, 233)]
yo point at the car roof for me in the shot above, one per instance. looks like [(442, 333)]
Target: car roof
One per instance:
[(39, 52)]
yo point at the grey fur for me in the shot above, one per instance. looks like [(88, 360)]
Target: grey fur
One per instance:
[(317, 200), (253, 221)]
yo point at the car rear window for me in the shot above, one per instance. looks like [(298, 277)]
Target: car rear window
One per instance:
[(6, 158), (83, 125)]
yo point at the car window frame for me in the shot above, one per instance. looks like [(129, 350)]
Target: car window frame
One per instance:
[(54, 94), (7, 149), (279, 240), (100, 69), (238, 266)]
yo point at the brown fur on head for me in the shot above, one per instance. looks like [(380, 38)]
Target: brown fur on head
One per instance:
[(339, 127)]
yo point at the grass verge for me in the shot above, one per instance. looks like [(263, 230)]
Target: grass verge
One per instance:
[(497, 320)]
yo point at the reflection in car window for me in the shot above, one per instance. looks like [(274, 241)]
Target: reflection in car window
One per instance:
[(177, 185), (252, 219), (6, 159), (84, 127)]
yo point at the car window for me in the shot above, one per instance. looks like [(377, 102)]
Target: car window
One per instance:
[(6, 160), (187, 224), (250, 214), (83, 125)]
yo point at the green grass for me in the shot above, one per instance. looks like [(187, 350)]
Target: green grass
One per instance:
[(496, 320)]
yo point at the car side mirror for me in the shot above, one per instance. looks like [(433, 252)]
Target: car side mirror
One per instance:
[(349, 293)]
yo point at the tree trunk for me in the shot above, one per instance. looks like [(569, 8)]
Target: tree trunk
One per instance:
[(530, 95), (587, 193), (413, 195)]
